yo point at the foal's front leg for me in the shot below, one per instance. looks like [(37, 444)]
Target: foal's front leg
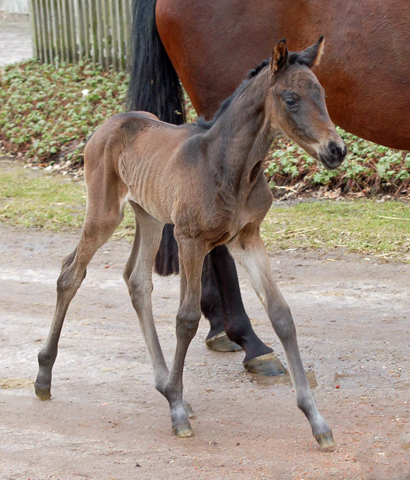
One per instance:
[(251, 254), (191, 257)]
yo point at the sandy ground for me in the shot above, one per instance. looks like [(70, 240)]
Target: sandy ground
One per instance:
[(106, 421)]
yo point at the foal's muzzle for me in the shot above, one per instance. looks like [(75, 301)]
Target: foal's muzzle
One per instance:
[(333, 155)]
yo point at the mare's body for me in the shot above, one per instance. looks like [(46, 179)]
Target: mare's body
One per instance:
[(366, 71)]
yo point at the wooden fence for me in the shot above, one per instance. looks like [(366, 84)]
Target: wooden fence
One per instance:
[(75, 30)]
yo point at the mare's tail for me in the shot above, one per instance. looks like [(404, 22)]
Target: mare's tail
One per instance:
[(155, 87)]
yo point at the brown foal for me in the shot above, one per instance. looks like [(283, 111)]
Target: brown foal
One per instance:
[(206, 179)]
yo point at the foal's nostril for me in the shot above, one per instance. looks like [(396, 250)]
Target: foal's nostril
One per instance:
[(336, 151), (333, 149), (334, 155)]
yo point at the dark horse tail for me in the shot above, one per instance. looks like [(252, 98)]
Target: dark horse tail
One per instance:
[(155, 87)]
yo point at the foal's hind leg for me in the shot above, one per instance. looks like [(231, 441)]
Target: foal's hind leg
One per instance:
[(249, 250), (99, 225), (138, 277)]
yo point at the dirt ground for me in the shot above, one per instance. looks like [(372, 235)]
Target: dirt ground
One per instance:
[(106, 421)]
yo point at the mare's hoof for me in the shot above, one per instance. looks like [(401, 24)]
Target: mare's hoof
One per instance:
[(188, 410), (183, 430), (221, 343), (325, 440), (268, 365), (42, 393)]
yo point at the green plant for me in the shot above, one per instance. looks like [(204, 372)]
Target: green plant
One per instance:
[(49, 109)]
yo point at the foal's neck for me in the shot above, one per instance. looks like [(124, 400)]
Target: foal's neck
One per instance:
[(242, 135)]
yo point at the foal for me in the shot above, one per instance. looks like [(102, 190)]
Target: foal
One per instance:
[(206, 179)]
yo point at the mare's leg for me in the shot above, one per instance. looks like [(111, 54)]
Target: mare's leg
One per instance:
[(259, 358), (191, 256), (138, 277), (211, 307), (101, 220), (249, 250)]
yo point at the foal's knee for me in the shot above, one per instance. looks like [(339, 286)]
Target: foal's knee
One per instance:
[(138, 287), (187, 322), (69, 278)]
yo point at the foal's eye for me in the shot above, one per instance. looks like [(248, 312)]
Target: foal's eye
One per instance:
[(290, 103)]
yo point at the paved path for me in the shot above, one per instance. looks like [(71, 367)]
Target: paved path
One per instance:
[(15, 42)]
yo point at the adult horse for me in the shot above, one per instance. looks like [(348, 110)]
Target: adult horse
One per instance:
[(211, 44)]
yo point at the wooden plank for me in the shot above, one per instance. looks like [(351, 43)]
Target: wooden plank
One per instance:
[(106, 34), (36, 18), (73, 33), (79, 23), (43, 26), (54, 21), (40, 30), (123, 30), (60, 32), (99, 33), (114, 29), (50, 46), (122, 21), (33, 29), (66, 27), (86, 28), (93, 30), (117, 20), (127, 31)]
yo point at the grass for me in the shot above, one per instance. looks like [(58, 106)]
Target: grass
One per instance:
[(31, 199), (356, 226)]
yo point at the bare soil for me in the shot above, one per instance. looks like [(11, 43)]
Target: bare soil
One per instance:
[(106, 421)]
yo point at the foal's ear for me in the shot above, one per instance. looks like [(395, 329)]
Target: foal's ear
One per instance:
[(279, 57), (311, 56)]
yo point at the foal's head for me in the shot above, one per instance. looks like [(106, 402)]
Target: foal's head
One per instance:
[(299, 107)]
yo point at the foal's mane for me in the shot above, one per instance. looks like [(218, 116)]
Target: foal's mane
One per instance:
[(294, 57), (201, 122)]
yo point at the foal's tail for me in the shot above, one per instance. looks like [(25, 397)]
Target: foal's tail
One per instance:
[(155, 87)]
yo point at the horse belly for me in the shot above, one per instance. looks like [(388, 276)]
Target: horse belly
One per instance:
[(152, 197)]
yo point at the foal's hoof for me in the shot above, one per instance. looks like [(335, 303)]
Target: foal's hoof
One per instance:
[(183, 430), (221, 343), (268, 365), (325, 440), (42, 393)]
